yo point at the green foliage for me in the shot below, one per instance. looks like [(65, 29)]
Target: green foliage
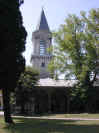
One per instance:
[(28, 78), (13, 36), (12, 44), (20, 43), (24, 91), (77, 52)]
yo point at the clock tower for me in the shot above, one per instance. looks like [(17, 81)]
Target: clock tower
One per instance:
[(41, 41)]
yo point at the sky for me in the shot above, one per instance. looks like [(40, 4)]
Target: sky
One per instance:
[(56, 12)]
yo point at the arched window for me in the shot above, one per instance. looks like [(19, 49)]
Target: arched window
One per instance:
[(42, 64), (42, 47)]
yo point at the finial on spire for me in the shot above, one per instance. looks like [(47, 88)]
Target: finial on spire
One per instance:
[(42, 7), (43, 3), (42, 24)]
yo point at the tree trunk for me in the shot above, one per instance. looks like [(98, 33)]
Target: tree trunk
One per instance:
[(6, 106)]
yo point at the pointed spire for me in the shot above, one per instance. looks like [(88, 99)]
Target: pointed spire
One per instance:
[(42, 25)]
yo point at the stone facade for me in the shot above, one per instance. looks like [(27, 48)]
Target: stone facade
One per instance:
[(41, 40)]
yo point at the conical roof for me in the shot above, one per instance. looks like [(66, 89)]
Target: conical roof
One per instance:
[(42, 24)]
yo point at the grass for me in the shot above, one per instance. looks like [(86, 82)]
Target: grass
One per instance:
[(23, 125)]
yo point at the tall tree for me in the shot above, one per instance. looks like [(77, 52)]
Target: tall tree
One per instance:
[(12, 36), (77, 47)]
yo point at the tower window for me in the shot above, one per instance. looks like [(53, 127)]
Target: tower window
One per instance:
[(42, 47), (43, 64)]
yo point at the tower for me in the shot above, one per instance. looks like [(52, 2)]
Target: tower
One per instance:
[(41, 41)]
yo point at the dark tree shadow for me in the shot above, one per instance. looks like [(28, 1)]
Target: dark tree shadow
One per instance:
[(50, 126)]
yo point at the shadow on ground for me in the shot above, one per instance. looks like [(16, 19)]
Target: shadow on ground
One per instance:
[(51, 126)]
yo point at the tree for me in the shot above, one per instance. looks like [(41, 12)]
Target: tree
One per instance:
[(77, 47), (24, 90), (12, 36), (76, 53)]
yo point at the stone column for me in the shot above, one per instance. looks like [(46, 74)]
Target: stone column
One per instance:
[(68, 100), (68, 104), (1, 100), (49, 102)]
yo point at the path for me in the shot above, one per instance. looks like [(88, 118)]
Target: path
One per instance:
[(53, 118), (1, 113)]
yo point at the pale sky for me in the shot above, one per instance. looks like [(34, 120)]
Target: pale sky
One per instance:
[(56, 12)]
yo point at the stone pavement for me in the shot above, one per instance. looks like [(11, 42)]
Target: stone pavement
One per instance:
[(1, 113), (53, 118)]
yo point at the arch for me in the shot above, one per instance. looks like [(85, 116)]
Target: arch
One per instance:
[(42, 64)]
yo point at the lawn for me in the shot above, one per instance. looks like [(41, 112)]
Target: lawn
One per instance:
[(23, 125)]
